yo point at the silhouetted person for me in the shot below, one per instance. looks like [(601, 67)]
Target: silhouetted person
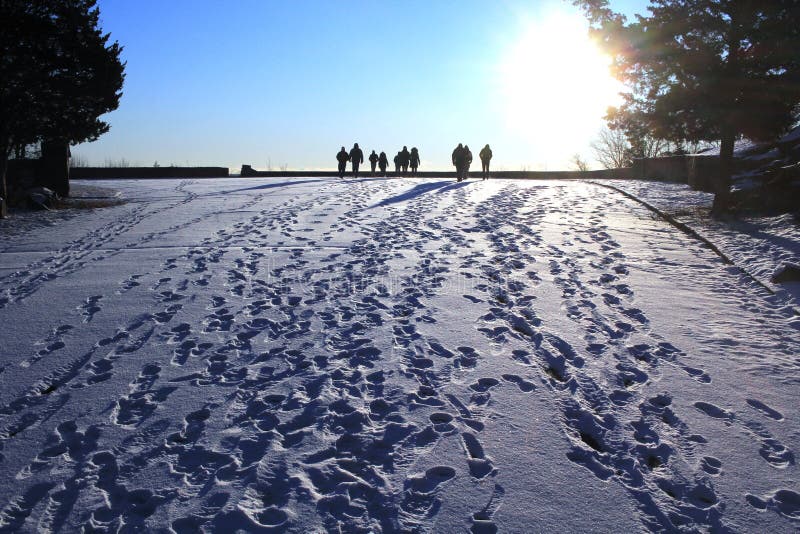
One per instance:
[(414, 160), (405, 156), (383, 162), (373, 160), (397, 164), (467, 161), (342, 157), (356, 159), (486, 156), (458, 161)]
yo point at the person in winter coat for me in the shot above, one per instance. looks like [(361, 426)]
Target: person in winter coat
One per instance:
[(404, 159), (342, 157), (373, 161), (397, 164), (414, 160), (458, 161), (467, 162), (486, 156), (383, 162), (356, 159)]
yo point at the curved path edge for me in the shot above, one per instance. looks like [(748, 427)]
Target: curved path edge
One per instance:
[(692, 232)]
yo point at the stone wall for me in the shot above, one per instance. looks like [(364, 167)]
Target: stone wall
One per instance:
[(474, 173), (702, 172), (696, 170), (99, 173)]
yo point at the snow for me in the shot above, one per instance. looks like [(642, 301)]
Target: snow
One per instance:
[(756, 151), (393, 355), (792, 136), (741, 148), (760, 244)]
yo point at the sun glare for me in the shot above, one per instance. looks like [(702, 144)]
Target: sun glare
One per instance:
[(555, 84)]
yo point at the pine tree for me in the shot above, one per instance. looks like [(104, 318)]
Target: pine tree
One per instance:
[(706, 70), (58, 75)]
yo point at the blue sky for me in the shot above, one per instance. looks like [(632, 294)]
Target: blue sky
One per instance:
[(288, 83)]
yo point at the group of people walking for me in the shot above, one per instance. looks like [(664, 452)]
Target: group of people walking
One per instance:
[(402, 161), (462, 159), (355, 156), (405, 159)]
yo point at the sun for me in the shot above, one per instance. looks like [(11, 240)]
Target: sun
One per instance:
[(555, 83)]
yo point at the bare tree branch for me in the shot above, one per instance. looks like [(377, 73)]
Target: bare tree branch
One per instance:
[(611, 149)]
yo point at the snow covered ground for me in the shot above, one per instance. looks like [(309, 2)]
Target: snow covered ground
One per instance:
[(388, 355), (760, 244)]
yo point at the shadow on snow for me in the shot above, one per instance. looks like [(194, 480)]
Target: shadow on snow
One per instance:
[(420, 189), (299, 181), (268, 186)]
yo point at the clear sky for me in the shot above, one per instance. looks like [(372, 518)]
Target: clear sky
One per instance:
[(287, 83)]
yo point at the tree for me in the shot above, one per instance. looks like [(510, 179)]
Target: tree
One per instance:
[(704, 70), (642, 143), (58, 75), (611, 149), (579, 164)]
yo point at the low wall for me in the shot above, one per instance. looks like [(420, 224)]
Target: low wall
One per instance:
[(100, 173), (616, 174), (696, 170), (703, 173), (107, 173)]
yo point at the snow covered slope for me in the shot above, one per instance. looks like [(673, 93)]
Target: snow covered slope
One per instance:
[(759, 243), (388, 355)]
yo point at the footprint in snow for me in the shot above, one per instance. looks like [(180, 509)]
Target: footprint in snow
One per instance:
[(90, 307), (521, 383), (479, 465), (161, 281), (130, 283), (712, 410), (484, 384), (168, 313), (100, 371), (772, 450), (698, 374), (711, 465), (765, 410), (169, 296), (442, 422), (468, 357), (133, 409), (482, 521), (521, 356), (786, 502), (425, 483)]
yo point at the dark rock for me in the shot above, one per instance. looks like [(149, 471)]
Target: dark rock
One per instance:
[(788, 272), (41, 198)]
